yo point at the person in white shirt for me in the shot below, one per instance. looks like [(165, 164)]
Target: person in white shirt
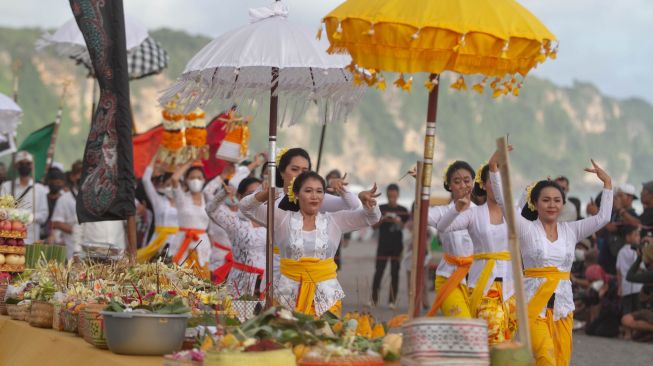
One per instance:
[(30, 196), (629, 291), (569, 212), (102, 232), (308, 240), (548, 251), (64, 221)]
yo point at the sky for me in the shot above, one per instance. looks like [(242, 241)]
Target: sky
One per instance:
[(604, 42)]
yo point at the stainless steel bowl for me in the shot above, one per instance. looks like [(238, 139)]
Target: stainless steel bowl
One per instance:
[(134, 333)]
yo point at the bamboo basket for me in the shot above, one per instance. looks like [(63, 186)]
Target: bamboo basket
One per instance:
[(69, 321), (94, 332), (18, 312), (41, 314), (3, 305), (57, 317), (81, 323)]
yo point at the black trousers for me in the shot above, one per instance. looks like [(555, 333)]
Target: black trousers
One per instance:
[(385, 253)]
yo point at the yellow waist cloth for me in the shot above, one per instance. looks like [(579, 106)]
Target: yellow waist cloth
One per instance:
[(308, 272), (541, 297), (462, 267), (144, 254), (478, 291), (276, 250)]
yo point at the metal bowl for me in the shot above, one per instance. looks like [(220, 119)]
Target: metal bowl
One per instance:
[(134, 333)]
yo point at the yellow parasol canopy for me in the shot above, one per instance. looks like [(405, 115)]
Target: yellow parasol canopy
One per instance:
[(493, 38)]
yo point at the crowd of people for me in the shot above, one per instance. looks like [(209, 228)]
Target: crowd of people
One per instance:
[(589, 273)]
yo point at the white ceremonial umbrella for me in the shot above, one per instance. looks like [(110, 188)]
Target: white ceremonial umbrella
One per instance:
[(10, 114), (269, 58), (69, 41)]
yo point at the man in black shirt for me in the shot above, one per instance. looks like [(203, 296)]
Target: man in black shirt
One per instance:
[(391, 246)]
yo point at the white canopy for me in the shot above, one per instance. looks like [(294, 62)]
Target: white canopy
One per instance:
[(69, 41), (237, 66), (10, 114)]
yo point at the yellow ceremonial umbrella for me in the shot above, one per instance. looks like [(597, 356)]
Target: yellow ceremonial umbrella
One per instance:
[(498, 39)]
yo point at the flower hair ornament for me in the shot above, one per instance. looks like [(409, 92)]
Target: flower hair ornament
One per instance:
[(478, 178), (446, 170), (280, 154), (529, 199), (291, 194)]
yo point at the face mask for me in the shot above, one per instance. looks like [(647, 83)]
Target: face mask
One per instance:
[(195, 185), (24, 170), (580, 255), (165, 191), (54, 189), (231, 201)]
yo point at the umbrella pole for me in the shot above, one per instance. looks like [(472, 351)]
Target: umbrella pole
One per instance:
[(513, 244), (412, 291), (272, 171), (319, 151), (55, 132), (429, 144)]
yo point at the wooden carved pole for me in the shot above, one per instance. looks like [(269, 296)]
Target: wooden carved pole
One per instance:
[(412, 291)]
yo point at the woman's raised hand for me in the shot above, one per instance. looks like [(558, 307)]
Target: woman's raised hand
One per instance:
[(368, 198), (338, 185), (601, 174)]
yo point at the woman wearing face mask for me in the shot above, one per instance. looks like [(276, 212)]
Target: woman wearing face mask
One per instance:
[(191, 245), (159, 192), (548, 250), (246, 236), (308, 240), (450, 283), (490, 276)]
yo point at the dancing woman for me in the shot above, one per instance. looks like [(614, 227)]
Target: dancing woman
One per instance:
[(308, 240), (191, 244), (490, 278), (450, 283), (547, 249), (159, 192), (247, 237)]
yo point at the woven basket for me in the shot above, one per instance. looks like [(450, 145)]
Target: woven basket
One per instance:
[(3, 305), (69, 321), (41, 314), (57, 317), (17, 312), (245, 309), (94, 332), (81, 323)]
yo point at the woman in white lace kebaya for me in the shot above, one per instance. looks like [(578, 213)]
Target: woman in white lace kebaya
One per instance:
[(247, 275), (547, 249), (290, 164), (308, 240), (161, 197), (490, 277)]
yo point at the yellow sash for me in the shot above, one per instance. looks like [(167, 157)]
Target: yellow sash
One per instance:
[(308, 272), (462, 268), (477, 293), (541, 297), (144, 254), (276, 250)]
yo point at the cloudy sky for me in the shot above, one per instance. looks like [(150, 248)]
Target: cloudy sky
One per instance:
[(605, 42)]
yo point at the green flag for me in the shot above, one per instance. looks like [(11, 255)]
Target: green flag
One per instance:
[(37, 144)]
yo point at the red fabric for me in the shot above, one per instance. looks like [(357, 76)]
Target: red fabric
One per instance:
[(145, 145), (215, 135), (221, 273), (191, 236)]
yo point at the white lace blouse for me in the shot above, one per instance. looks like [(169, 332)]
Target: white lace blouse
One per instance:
[(455, 243), (165, 214), (487, 238), (248, 243), (322, 243), (537, 251)]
